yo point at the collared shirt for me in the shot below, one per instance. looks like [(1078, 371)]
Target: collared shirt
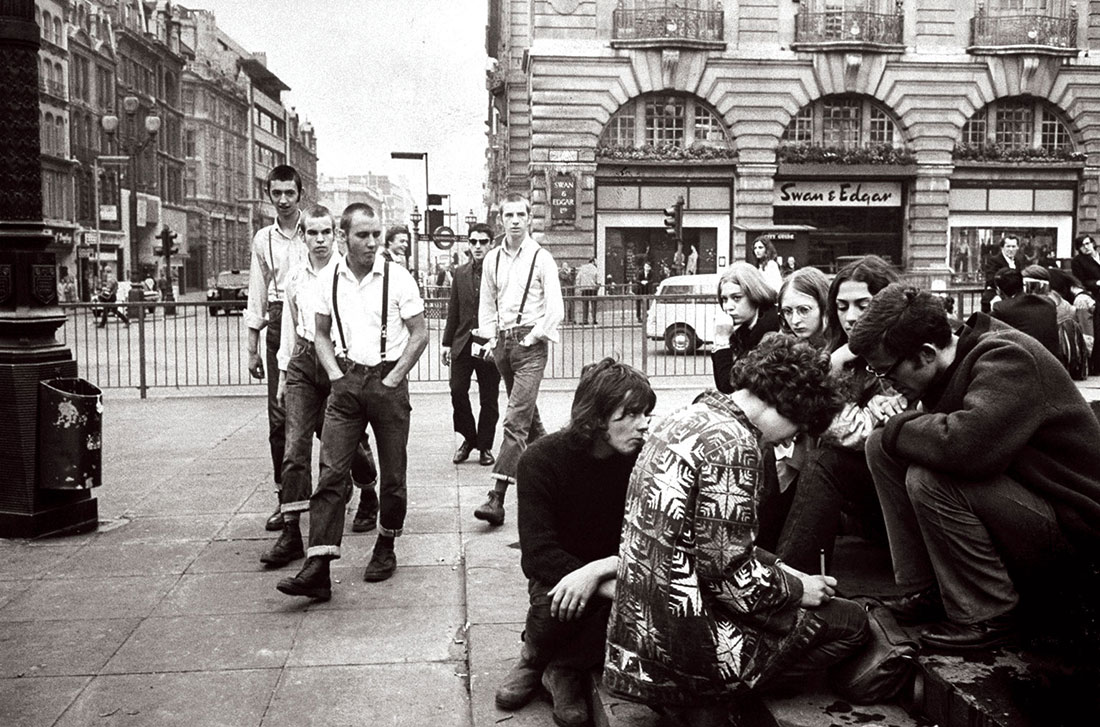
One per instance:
[(502, 285), (360, 307), (588, 277), (274, 254), (302, 291)]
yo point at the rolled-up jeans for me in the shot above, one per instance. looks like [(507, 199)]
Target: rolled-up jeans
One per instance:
[(522, 368), (357, 399)]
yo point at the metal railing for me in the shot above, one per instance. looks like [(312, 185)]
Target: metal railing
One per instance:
[(1028, 29), (665, 23), (194, 350), (850, 26)]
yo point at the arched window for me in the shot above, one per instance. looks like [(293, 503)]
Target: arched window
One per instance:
[(57, 31), (844, 121), (59, 136), (1016, 124), (45, 128), (47, 25), (665, 120)]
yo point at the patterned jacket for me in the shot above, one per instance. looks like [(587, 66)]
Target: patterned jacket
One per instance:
[(699, 610)]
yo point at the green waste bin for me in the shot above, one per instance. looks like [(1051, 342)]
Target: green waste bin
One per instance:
[(70, 434)]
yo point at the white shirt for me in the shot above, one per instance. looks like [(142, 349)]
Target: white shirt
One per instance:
[(360, 307), (274, 255), (503, 278), (302, 292)]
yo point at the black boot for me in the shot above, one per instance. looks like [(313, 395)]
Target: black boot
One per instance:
[(274, 520), (287, 548), (312, 581), (492, 510)]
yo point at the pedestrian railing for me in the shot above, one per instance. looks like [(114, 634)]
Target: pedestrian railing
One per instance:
[(192, 349)]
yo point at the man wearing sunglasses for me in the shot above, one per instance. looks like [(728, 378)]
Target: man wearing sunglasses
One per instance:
[(993, 486), (466, 353)]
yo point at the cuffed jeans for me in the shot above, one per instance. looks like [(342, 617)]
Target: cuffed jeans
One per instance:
[(307, 390), (357, 399), (577, 644), (963, 534), (463, 366), (522, 368), (276, 415)]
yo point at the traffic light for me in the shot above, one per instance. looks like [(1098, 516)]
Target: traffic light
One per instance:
[(168, 247), (674, 220)]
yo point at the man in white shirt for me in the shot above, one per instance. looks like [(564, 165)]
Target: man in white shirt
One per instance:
[(370, 331), (520, 309), (276, 249), (304, 389)]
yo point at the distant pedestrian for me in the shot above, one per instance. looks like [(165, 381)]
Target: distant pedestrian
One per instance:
[(692, 266), (1008, 257), (566, 277), (370, 332), (520, 311), (572, 490), (588, 285), (108, 293), (1086, 265), (644, 287), (767, 262), (397, 245), (276, 249), (465, 350)]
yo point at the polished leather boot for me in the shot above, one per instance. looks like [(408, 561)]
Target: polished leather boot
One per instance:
[(486, 458), (312, 581), (949, 636), (566, 687), (383, 564), (274, 521), (492, 510), (287, 548), (462, 453)]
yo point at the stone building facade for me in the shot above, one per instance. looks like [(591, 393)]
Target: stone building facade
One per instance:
[(921, 130)]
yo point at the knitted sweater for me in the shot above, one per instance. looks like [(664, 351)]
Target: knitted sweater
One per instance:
[(570, 507), (1006, 405)]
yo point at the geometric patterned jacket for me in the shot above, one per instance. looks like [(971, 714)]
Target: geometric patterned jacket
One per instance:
[(699, 611)]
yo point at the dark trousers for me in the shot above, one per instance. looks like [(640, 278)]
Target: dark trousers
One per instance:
[(577, 644), (463, 366), (357, 399), (965, 535), (833, 480), (307, 390), (842, 630), (276, 415), (522, 368), (588, 303)]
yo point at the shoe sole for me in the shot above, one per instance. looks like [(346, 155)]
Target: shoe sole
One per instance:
[(378, 578), (280, 562), (513, 705), (941, 648), (489, 519), (318, 594)]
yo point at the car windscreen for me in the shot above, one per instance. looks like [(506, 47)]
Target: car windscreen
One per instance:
[(678, 290), (232, 280)]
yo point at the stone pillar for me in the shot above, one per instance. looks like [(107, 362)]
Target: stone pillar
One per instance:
[(29, 314)]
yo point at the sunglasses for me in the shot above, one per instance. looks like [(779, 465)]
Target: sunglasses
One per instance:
[(478, 241)]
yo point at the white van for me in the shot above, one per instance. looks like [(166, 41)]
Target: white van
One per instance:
[(685, 313)]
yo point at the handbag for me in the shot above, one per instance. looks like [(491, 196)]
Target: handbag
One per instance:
[(885, 664)]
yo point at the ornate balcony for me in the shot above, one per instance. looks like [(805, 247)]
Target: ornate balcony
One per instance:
[(1024, 33), (849, 30), (667, 26)]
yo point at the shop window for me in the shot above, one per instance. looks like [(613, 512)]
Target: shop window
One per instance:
[(665, 126), (1016, 130)]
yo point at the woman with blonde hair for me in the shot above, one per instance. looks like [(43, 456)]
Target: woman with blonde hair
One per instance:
[(803, 302), (746, 298)]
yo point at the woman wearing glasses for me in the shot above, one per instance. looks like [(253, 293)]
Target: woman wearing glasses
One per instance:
[(834, 476)]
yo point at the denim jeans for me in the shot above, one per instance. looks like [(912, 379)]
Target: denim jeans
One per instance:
[(842, 630), (276, 415), (307, 390), (964, 534), (833, 479), (463, 366), (522, 368), (576, 644), (357, 399)]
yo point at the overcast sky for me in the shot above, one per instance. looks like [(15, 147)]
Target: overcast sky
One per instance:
[(375, 76)]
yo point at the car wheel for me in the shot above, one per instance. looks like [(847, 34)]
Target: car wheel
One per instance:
[(680, 339)]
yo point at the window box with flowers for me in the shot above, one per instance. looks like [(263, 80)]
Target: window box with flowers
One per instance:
[(666, 152), (872, 154), (972, 154)]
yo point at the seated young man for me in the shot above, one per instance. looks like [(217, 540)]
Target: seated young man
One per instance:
[(572, 485), (994, 482), (701, 615)]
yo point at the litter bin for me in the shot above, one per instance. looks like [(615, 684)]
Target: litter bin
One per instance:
[(70, 431)]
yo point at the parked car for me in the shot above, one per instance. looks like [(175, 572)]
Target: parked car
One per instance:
[(685, 314), (231, 290)]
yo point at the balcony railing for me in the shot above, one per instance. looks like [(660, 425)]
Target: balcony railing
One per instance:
[(996, 33), (849, 28), (52, 88), (668, 26)]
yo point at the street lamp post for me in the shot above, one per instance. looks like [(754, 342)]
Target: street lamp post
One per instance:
[(131, 151), (427, 202), (414, 217)]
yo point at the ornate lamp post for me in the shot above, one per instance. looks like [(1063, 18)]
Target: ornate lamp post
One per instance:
[(414, 218), (132, 149), (471, 220)]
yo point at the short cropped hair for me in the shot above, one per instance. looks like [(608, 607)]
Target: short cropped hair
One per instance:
[(901, 319), (812, 282), (752, 283), (516, 197), (394, 231), (482, 228), (604, 387), (1010, 236), (1009, 281), (793, 376), (283, 173), (871, 270), (314, 211), (353, 209)]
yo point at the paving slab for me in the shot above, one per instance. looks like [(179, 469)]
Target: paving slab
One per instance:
[(402, 695), (236, 698), (225, 593), (69, 647), (89, 598), (39, 701), (493, 649), (132, 559), (153, 529), (230, 556), (208, 643), (433, 585), (31, 563)]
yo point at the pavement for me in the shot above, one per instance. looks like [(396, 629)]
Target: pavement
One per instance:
[(165, 616)]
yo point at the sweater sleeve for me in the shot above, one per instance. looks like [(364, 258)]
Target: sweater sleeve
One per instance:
[(722, 361), (542, 555)]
